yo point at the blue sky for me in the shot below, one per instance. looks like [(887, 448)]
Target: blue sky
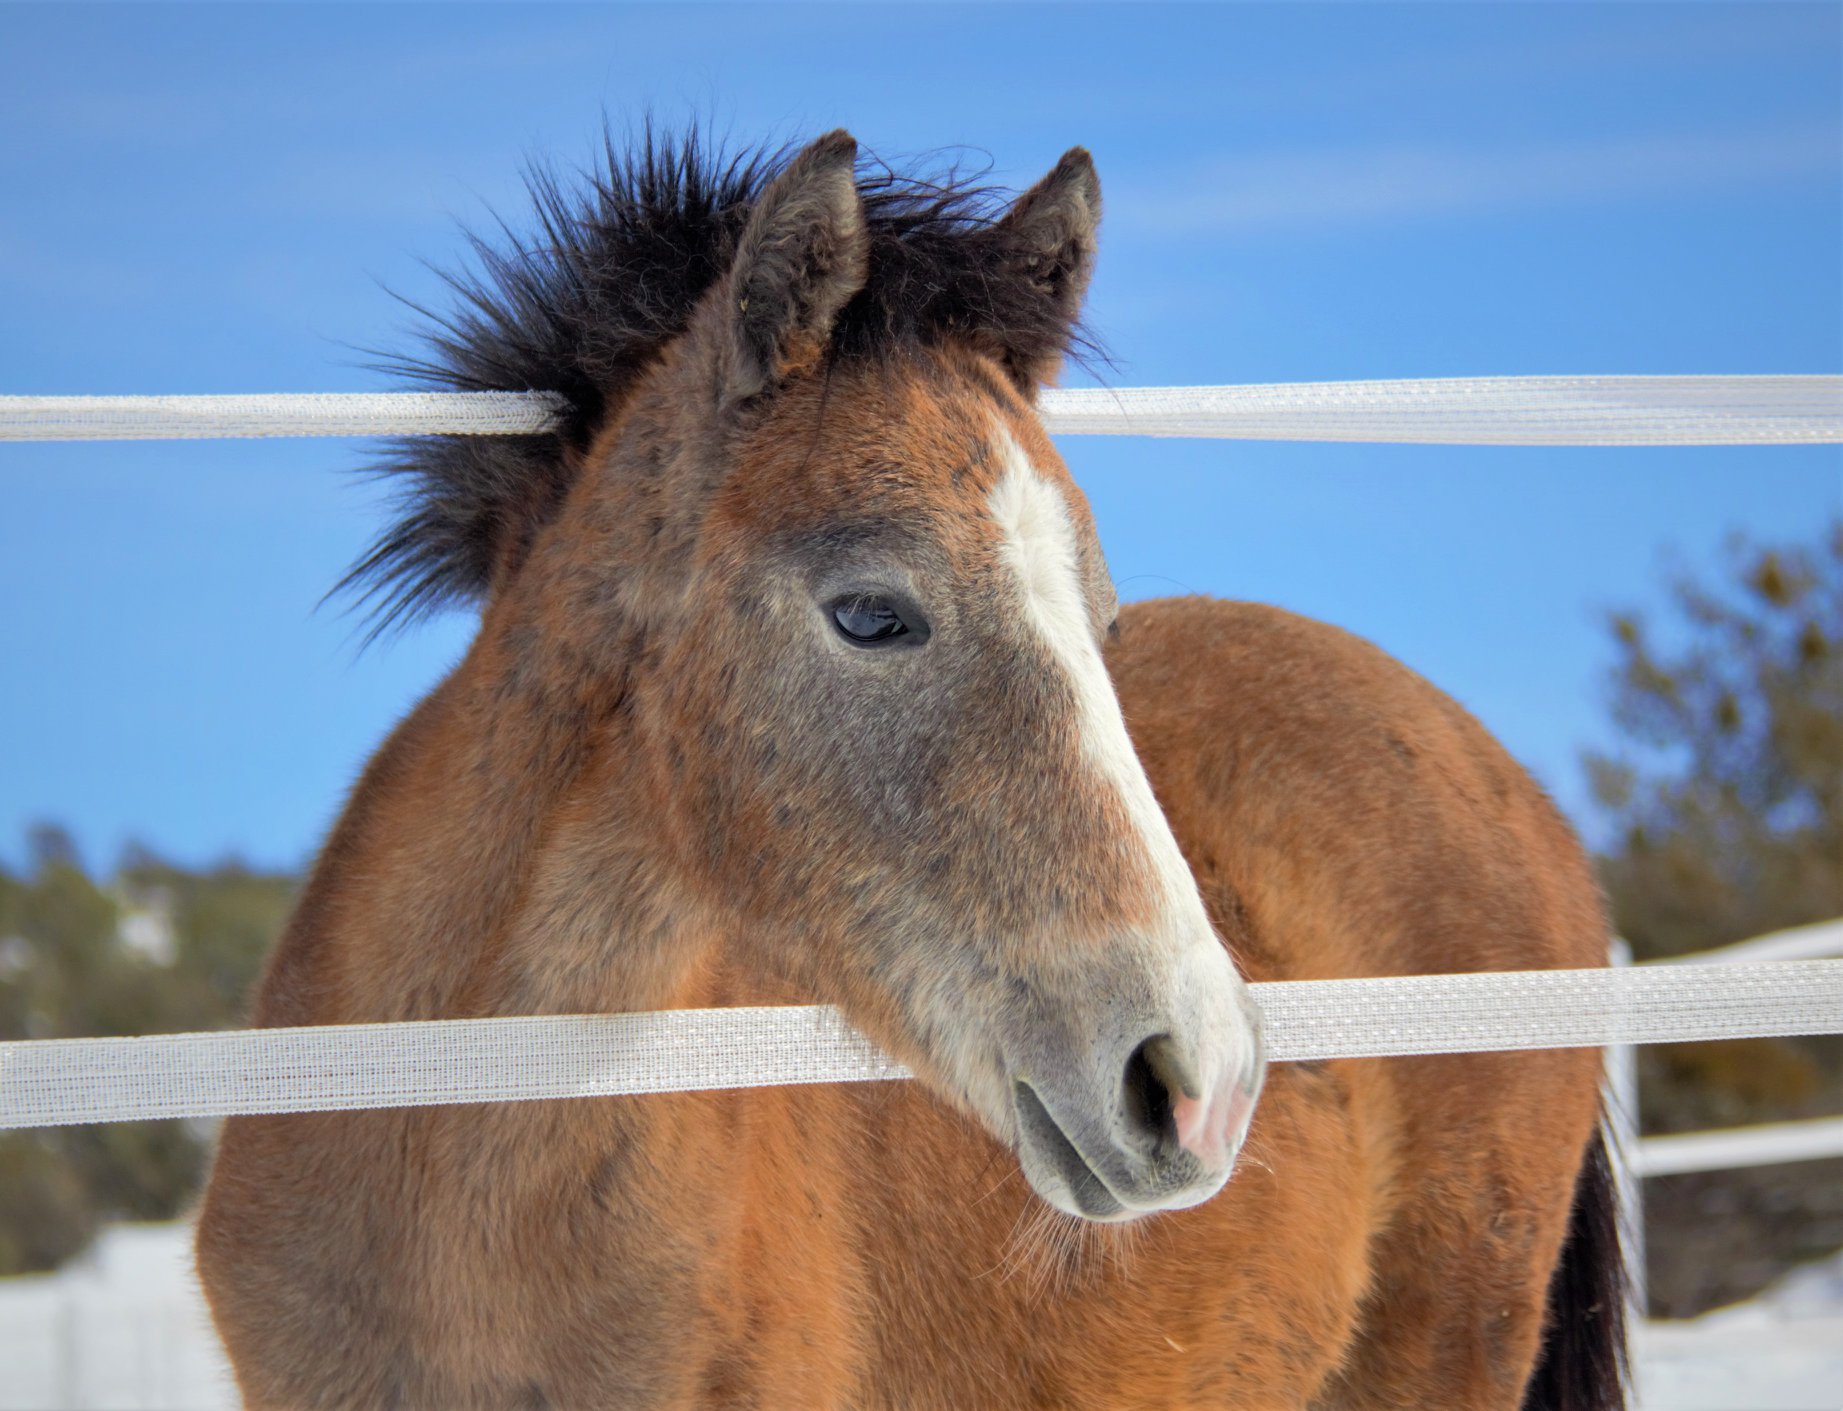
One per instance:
[(209, 200)]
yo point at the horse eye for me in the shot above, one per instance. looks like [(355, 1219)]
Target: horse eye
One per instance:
[(868, 621)]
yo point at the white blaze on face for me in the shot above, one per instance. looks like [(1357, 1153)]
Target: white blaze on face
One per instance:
[(1041, 548), (1196, 990)]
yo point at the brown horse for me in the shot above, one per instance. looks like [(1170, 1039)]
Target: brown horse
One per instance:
[(799, 678)]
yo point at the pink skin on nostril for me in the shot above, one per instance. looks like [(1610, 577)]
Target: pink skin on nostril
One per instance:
[(1209, 1129)]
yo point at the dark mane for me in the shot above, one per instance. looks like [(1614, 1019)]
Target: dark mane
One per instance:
[(612, 271)]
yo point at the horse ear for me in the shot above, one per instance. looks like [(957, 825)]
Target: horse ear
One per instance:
[(1048, 237), (802, 256)]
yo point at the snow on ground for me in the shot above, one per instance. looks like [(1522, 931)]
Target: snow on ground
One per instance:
[(1783, 1351), (124, 1328)]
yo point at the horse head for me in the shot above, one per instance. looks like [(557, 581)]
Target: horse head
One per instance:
[(857, 607)]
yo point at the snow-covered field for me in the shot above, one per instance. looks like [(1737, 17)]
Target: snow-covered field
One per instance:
[(124, 1328), (1780, 1352)]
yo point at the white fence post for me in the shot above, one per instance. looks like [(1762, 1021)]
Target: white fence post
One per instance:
[(1622, 1117)]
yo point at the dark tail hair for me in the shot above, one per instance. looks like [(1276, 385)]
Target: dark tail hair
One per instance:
[(1583, 1365)]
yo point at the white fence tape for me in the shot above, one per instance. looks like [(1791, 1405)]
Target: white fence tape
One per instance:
[(59, 1081), (1763, 1145), (277, 414), (1816, 941), (1509, 411), (1473, 411)]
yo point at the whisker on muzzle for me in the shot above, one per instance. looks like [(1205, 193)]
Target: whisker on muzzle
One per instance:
[(1055, 1253)]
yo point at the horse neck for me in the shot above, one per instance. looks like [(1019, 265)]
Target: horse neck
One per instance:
[(502, 854)]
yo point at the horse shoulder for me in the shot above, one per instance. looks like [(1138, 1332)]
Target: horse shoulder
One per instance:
[(1345, 818)]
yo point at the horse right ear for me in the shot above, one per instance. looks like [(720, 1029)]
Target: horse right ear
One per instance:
[(803, 255)]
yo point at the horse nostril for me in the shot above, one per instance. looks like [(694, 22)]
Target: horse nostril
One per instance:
[(1156, 1076)]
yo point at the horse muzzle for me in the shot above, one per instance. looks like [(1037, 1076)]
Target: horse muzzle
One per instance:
[(1150, 1122)]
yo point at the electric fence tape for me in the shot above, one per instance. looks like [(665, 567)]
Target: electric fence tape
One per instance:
[(53, 1082), (1508, 411)]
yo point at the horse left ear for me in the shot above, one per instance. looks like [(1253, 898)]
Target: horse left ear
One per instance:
[(1048, 236)]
